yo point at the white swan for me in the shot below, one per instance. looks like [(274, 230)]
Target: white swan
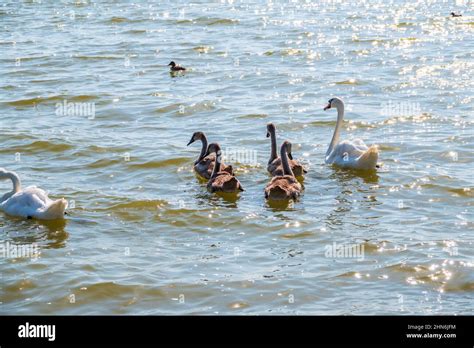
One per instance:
[(31, 202), (349, 154)]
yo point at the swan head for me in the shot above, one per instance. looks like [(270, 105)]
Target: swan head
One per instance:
[(213, 147), (287, 146), (3, 173), (270, 128), (172, 64), (196, 136), (334, 103)]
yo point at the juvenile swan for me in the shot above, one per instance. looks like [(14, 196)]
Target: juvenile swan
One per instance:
[(204, 165), (349, 154), (221, 181), (274, 166), (31, 202), (284, 187)]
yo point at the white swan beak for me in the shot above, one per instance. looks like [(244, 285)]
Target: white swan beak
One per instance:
[(327, 107)]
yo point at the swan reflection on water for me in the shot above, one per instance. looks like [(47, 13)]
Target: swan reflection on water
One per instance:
[(344, 175), (47, 234)]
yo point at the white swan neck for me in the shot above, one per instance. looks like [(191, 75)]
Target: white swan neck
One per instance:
[(15, 180), (337, 130)]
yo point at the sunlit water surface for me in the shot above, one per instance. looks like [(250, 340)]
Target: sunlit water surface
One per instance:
[(145, 237)]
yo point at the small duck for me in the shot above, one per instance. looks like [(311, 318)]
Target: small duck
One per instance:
[(456, 14), (221, 181), (175, 67), (204, 165)]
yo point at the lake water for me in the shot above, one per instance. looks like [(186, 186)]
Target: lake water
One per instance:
[(143, 236)]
